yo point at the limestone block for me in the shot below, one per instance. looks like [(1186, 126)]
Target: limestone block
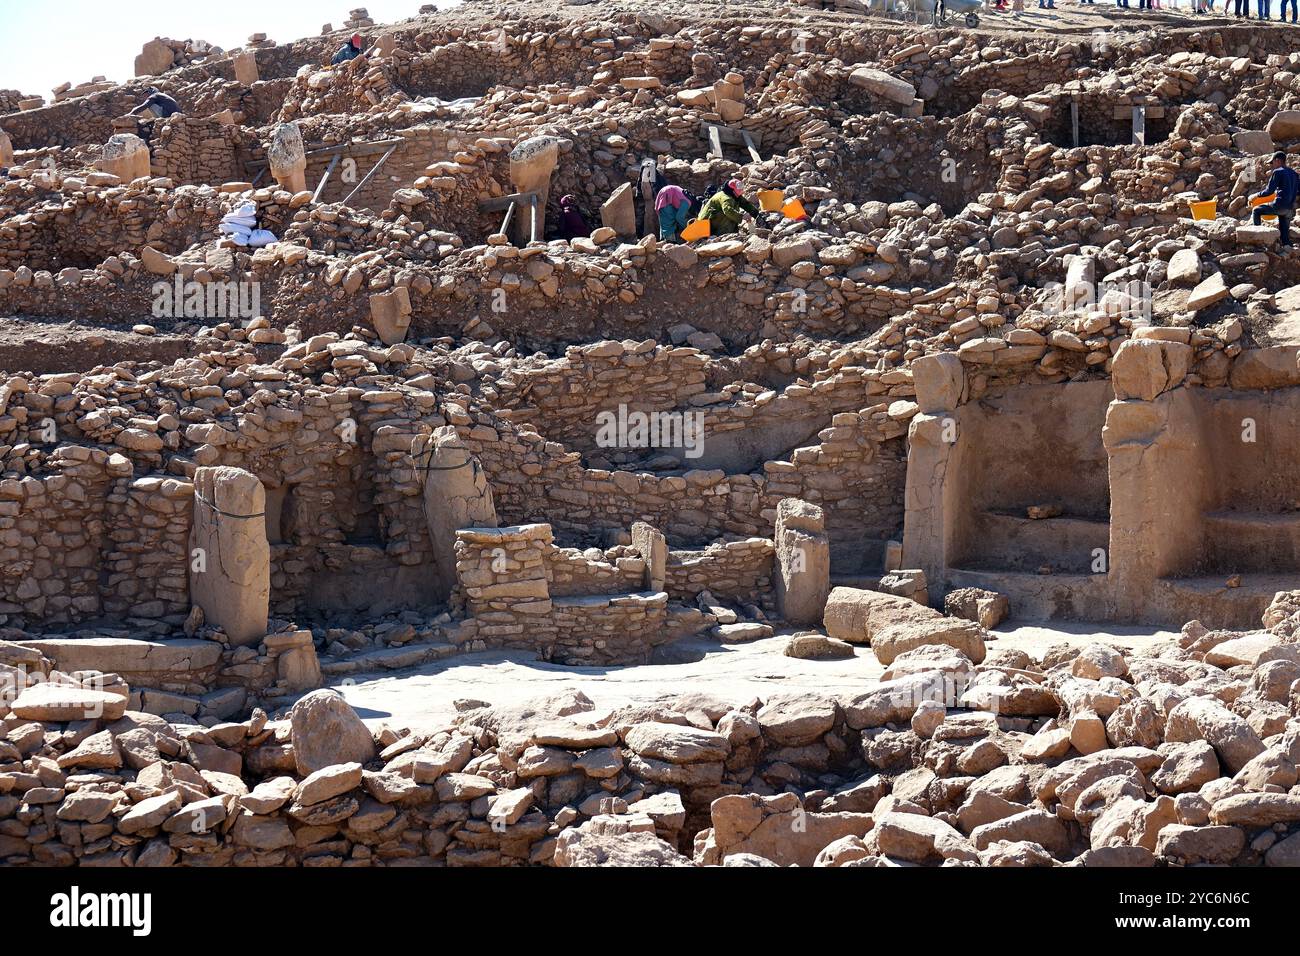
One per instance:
[(1284, 126), (856, 615), (881, 84), (155, 57), (619, 212), (1272, 367), (299, 668), (288, 157), (125, 156), (324, 730), (246, 68), (939, 380), (390, 313), (231, 578), (803, 561), (456, 495), (1143, 368), (1184, 267), (653, 547)]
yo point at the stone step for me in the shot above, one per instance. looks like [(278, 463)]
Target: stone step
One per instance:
[(388, 659), (1251, 541), (1014, 542), (129, 656)]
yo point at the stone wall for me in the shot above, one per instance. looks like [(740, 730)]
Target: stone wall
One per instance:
[(504, 582)]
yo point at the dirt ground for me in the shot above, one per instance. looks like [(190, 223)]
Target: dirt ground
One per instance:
[(423, 697), (46, 346)]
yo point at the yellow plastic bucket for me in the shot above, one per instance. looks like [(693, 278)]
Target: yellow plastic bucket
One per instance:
[(1205, 210), (1261, 201), (794, 210), (770, 200), (696, 229)]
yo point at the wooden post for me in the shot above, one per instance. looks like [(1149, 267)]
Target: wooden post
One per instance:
[(320, 187)]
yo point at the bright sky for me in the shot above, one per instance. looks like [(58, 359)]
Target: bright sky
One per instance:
[(75, 40)]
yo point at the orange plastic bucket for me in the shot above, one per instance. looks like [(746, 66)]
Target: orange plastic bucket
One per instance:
[(696, 229), (1262, 201), (769, 200), (1205, 210), (794, 210)]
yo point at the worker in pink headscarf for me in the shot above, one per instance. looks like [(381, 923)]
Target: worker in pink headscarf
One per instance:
[(572, 222), (674, 208)]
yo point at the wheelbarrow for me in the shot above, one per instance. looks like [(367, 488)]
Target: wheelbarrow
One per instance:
[(939, 10)]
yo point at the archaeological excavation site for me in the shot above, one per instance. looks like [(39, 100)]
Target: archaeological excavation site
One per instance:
[(628, 434)]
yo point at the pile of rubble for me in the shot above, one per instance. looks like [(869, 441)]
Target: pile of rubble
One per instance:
[(1088, 757)]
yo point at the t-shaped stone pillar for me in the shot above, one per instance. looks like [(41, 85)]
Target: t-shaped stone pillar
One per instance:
[(803, 561), (653, 547), (230, 560), (246, 68), (531, 165), (288, 158), (126, 156), (456, 495)]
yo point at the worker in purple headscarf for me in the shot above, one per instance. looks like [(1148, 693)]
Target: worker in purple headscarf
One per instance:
[(674, 208), (572, 223)]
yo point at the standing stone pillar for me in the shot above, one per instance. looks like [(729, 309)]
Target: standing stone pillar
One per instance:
[(653, 547), (126, 156), (6, 150), (288, 158), (933, 466), (803, 561), (230, 560), (531, 165), (456, 495), (246, 71)]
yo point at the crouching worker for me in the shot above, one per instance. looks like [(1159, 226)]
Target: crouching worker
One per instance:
[(727, 208), (348, 51), (1283, 184), (572, 222), (674, 208), (157, 106)]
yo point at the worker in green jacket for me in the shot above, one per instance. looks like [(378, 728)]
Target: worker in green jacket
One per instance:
[(726, 208)]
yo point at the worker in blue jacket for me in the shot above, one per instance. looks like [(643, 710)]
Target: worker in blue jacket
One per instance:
[(1283, 185)]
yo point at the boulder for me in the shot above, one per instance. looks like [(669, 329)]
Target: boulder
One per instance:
[(855, 615), (325, 730), (882, 84)]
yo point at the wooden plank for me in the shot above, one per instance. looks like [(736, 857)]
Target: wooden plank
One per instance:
[(373, 169), (502, 202), (326, 177), (715, 142), (505, 223), (729, 134), (753, 150)]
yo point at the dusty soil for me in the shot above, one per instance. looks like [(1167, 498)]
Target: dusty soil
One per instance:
[(423, 697), (46, 346)]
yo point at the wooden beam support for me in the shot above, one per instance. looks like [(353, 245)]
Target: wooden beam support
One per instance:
[(502, 202), (320, 187), (373, 169)]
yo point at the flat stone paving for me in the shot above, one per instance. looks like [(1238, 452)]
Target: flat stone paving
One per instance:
[(422, 697)]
